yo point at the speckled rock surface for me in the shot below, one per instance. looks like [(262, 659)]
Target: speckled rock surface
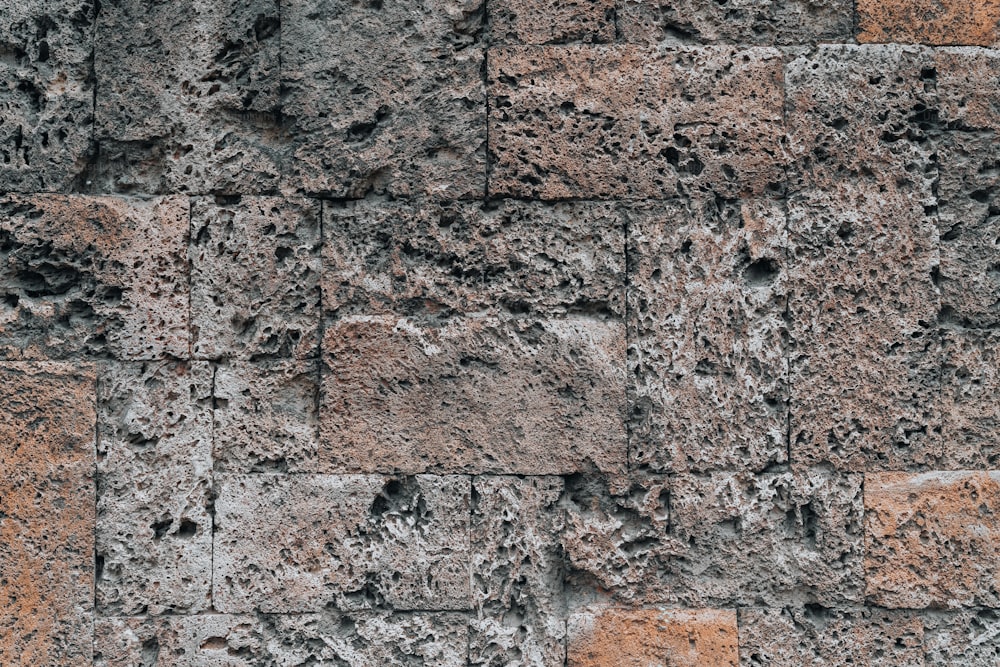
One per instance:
[(46, 513), (154, 521), (207, 640), (929, 21)]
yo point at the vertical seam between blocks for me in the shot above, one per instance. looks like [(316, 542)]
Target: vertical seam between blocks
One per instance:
[(213, 495)]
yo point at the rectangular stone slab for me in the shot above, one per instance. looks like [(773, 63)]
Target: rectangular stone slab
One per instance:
[(295, 543), (88, 276), (938, 22), (47, 426)]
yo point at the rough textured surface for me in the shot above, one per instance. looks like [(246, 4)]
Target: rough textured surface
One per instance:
[(211, 640), (154, 521), (932, 539), (534, 22), (613, 122), (296, 543), (93, 277), (968, 638), (255, 269), (189, 97), (707, 336), (639, 637), (46, 513), (384, 97), (929, 21)]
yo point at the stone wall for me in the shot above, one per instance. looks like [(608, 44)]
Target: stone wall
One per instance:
[(434, 332)]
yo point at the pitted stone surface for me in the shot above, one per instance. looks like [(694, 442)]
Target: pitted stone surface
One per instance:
[(970, 428), (622, 121), (724, 539), (517, 573), (266, 416), (154, 522), (639, 637), (968, 638), (932, 539), (46, 513), (46, 98), (92, 277), (205, 640), (768, 22), (295, 543), (255, 270), (560, 22), (816, 635), (384, 98), (972, 22), (707, 332), (189, 97)]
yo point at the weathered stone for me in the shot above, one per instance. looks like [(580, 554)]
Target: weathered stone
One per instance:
[(972, 22), (384, 98), (294, 543), (815, 635), (362, 639), (863, 352), (46, 513), (970, 429), (707, 335), (640, 637), (435, 260), (967, 638), (93, 276), (255, 278), (560, 22), (726, 539), (205, 640), (612, 122), (932, 539), (266, 416), (187, 97), (516, 572), (531, 395), (773, 22), (46, 98), (154, 522)]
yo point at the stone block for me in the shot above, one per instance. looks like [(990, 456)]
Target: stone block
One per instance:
[(46, 513), (295, 543), (46, 112), (610, 122), (533, 22), (968, 638), (93, 277), (707, 331), (266, 416), (384, 98), (931, 539), (970, 384), (719, 540), (939, 22), (637, 637), (188, 97), (204, 640), (776, 22), (255, 268), (815, 635), (517, 572), (154, 521)]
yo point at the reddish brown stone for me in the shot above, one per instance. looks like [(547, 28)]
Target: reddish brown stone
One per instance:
[(972, 22), (47, 427), (932, 539), (639, 637), (563, 21)]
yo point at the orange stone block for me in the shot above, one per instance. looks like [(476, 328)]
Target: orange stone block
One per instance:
[(47, 427), (938, 22), (642, 637)]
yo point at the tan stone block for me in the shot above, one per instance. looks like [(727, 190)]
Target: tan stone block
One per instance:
[(931, 539), (533, 22), (255, 268), (296, 543), (203, 640), (640, 637), (93, 276), (624, 122), (707, 332), (266, 416), (815, 635), (154, 522), (972, 22), (47, 427)]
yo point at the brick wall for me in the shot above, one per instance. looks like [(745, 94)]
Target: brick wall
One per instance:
[(598, 332)]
